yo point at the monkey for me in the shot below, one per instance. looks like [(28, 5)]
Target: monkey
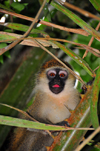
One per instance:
[(55, 98)]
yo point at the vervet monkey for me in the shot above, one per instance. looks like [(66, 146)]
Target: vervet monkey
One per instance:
[(55, 98)]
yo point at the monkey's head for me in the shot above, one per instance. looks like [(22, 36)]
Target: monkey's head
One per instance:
[(55, 93), (54, 76)]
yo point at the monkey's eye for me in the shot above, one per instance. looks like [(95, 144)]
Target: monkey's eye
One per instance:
[(51, 73), (63, 74)]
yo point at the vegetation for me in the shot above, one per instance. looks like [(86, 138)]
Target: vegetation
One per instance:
[(83, 36)]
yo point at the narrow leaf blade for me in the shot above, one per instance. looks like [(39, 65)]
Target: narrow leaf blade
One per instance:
[(77, 20), (6, 120), (96, 4), (76, 58), (94, 100)]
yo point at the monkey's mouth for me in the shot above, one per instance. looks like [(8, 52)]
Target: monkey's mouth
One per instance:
[(56, 86)]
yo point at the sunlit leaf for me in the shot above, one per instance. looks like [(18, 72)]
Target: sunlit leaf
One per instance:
[(6, 120)]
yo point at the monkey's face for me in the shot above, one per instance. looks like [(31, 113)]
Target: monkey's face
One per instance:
[(54, 79), (57, 78)]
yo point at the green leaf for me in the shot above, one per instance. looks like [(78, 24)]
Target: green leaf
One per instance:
[(76, 19), (2, 45), (76, 58), (79, 118), (47, 13), (18, 6), (24, 28), (96, 4), (4, 7), (1, 59), (95, 149), (94, 100), (6, 120), (7, 54), (5, 37)]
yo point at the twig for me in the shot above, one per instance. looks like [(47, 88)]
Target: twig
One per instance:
[(27, 32), (78, 77), (90, 42), (30, 117), (24, 113), (78, 31), (81, 11), (21, 111), (96, 68), (96, 52), (88, 139)]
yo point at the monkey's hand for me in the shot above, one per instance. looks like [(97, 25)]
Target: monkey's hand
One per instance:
[(63, 123)]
